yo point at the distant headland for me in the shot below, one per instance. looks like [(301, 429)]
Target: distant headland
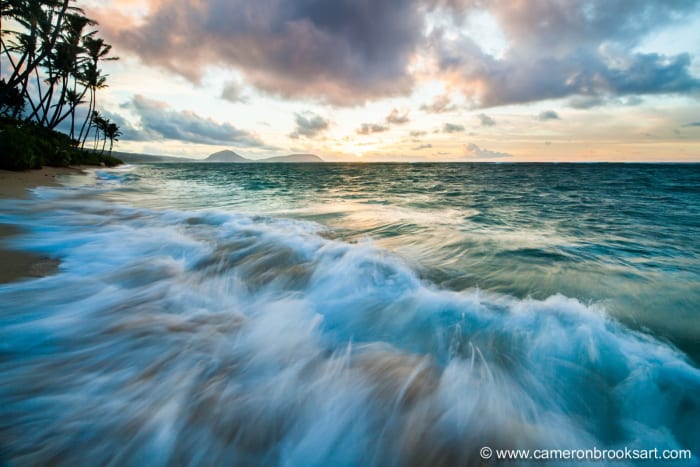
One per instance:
[(225, 157)]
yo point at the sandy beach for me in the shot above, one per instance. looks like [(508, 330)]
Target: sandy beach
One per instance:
[(13, 185)]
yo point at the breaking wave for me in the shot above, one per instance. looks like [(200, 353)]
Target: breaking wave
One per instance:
[(211, 338)]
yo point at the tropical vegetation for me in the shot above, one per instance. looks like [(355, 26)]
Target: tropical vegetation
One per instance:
[(48, 96)]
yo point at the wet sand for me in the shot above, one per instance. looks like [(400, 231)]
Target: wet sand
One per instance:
[(14, 264)]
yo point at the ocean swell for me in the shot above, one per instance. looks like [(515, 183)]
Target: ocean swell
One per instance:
[(211, 338)]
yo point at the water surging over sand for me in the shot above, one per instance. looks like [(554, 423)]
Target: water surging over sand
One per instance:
[(209, 338)]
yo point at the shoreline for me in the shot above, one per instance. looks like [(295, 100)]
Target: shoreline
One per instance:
[(18, 264)]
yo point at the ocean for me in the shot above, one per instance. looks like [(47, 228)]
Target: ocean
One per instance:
[(353, 314)]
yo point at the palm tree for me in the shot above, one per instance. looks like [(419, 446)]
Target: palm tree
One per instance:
[(96, 120), (100, 127), (69, 56), (112, 132), (26, 15), (42, 20), (51, 47), (97, 49), (54, 67), (74, 99), (20, 52)]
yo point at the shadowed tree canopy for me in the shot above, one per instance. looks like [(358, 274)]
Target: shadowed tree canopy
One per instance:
[(51, 56), (54, 56)]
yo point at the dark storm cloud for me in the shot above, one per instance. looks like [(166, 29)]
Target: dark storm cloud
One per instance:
[(548, 115), (486, 120), (452, 128), (344, 52), (309, 124), (473, 151), (369, 128), (158, 121), (560, 49)]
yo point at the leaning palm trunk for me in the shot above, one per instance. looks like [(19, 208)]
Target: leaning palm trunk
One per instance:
[(19, 75), (87, 121), (72, 105), (97, 136), (53, 121)]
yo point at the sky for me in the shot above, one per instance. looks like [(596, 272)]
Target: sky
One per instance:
[(406, 80)]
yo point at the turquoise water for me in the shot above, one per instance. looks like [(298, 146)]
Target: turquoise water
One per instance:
[(623, 236), (350, 314)]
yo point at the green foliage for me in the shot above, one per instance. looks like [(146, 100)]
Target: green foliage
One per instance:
[(26, 146), (93, 158), (18, 149), (11, 100)]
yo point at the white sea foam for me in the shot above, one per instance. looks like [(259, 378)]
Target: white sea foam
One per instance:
[(211, 338)]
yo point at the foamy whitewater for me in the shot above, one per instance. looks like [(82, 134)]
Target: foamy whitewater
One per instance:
[(238, 331)]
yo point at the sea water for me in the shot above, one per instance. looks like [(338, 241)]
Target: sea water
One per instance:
[(353, 314)]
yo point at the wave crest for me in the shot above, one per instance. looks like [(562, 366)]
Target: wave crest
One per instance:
[(216, 338)]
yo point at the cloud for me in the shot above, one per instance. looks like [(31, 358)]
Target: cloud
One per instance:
[(548, 115), (691, 124), (486, 120), (631, 101), (344, 52), (422, 146), (440, 104), (581, 73), (418, 133), (587, 102), (452, 128), (473, 151), (234, 92), (129, 131), (369, 128), (309, 125), (348, 52), (397, 118), (560, 26), (158, 121), (560, 49)]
